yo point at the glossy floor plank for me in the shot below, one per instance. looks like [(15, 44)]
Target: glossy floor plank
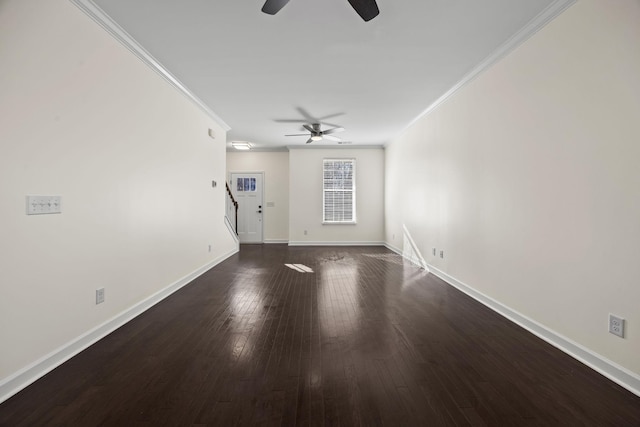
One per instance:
[(366, 339)]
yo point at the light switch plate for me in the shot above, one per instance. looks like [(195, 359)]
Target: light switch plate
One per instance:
[(99, 296), (41, 205)]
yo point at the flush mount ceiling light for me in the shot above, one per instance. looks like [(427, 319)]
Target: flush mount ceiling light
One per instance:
[(316, 138), (241, 145)]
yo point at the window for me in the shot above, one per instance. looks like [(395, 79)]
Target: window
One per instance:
[(246, 184), (339, 191)]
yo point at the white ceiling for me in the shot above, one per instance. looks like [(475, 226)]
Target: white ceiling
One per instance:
[(317, 56)]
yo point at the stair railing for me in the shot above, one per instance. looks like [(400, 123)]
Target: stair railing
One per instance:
[(232, 208)]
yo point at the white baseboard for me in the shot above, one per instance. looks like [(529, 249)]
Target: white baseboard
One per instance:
[(275, 241), (393, 248), (24, 377), (340, 243), (597, 362)]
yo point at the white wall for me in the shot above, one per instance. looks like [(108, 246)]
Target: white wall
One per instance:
[(82, 117), (305, 189), (528, 178), (275, 166)]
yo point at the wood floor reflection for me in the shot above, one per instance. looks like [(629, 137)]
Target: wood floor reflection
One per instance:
[(366, 339)]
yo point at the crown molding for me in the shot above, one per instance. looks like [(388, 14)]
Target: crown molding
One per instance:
[(101, 18), (535, 25), (335, 147), (278, 149)]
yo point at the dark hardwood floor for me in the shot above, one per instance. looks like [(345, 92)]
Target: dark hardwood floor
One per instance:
[(366, 339)]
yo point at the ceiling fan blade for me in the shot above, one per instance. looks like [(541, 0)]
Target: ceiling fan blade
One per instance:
[(309, 141), (308, 117), (298, 134), (271, 7), (367, 9), (334, 130), (333, 138), (330, 116), (333, 125), (309, 128), (291, 121)]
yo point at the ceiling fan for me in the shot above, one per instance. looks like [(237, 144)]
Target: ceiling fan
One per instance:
[(367, 9), (317, 134)]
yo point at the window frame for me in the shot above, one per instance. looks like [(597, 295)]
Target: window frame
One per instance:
[(352, 221)]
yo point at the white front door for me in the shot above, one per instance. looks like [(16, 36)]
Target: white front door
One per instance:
[(247, 190)]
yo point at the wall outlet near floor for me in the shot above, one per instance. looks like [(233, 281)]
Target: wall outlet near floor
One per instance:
[(305, 232), (209, 248), (616, 325), (441, 254), (434, 251), (99, 296)]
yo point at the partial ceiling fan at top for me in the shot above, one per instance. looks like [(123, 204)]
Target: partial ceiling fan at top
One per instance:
[(367, 9)]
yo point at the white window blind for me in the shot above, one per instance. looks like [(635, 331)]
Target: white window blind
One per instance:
[(339, 191)]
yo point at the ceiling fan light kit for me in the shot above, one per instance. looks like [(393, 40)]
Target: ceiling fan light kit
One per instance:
[(317, 134), (367, 9)]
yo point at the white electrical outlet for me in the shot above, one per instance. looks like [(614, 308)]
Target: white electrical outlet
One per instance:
[(40, 205), (616, 325), (99, 296), (441, 254), (434, 251), (209, 248)]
